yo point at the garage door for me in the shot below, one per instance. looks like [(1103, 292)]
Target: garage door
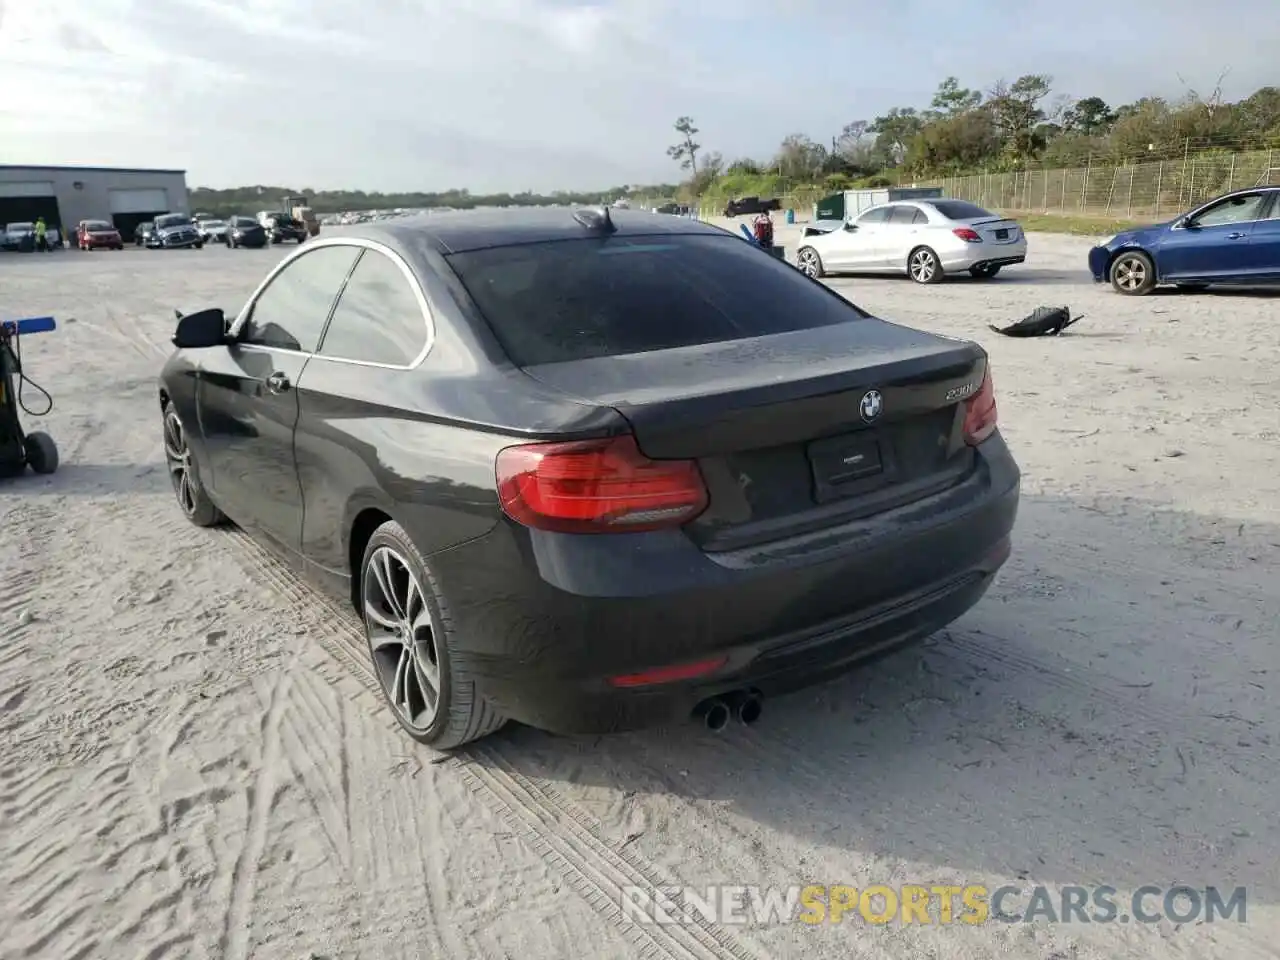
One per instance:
[(139, 201), (29, 209), (28, 188)]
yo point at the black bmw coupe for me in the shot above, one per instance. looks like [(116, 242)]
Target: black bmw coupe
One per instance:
[(591, 470)]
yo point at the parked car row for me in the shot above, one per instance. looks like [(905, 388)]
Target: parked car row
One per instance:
[(180, 231), (1231, 239)]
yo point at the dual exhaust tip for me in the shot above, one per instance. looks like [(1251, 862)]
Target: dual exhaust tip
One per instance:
[(744, 706)]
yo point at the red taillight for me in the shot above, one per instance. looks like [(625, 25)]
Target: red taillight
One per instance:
[(980, 412), (967, 235), (683, 671), (597, 486)]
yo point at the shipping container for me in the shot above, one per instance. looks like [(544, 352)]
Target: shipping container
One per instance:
[(849, 203)]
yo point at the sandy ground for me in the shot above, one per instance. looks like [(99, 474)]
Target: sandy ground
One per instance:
[(195, 766)]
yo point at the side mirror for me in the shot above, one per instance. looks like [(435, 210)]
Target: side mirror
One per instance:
[(204, 328), (1186, 223), (851, 227)]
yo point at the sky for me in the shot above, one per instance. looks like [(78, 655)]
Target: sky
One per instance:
[(511, 95)]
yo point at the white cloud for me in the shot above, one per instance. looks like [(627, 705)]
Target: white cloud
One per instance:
[(514, 94)]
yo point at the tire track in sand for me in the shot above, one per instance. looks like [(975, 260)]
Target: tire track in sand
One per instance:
[(236, 934), (563, 834)]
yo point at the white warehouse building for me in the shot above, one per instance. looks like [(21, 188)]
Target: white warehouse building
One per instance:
[(66, 195)]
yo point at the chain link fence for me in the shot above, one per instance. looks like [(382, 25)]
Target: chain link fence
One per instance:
[(1154, 190), (1158, 189)]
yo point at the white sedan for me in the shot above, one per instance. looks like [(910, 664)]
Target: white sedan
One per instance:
[(925, 239)]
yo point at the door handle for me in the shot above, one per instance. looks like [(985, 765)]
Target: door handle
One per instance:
[(1234, 236), (278, 382)]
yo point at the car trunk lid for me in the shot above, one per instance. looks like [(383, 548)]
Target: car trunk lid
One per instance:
[(794, 429), (997, 229)]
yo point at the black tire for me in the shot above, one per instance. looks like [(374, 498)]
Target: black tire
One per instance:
[(984, 272), (194, 502), (41, 452), (1132, 274), (809, 262), (923, 266), (461, 714), (1193, 287), (200, 245)]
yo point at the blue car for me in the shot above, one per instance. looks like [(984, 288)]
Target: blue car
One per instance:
[(1233, 239)]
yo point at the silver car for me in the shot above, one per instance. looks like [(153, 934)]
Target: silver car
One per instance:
[(213, 231), (925, 239)]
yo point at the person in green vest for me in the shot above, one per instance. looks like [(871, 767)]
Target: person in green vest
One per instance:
[(42, 240)]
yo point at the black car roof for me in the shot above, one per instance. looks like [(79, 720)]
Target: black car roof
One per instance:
[(481, 229)]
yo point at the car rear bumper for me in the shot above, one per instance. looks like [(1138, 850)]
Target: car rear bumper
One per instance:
[(983, 254), (543, 621)]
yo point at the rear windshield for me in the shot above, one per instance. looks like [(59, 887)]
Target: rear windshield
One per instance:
[(960, 209), (579, 299)]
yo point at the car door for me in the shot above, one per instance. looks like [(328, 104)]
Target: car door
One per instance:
[(856, 246), (350, 445), (1264, 243), (897, 236), (248, 406), (1212, 242)]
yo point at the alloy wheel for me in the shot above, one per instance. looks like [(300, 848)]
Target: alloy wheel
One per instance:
[(807, 261), (923, 266), (1131, 273), (402, 638), (178, 457)]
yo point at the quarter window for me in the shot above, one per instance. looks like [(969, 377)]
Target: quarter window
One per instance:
[(378, 318), (290, 313)]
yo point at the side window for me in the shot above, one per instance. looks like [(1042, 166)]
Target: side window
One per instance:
[(920, 217), (1241, 209), (903, 214), (290, 313), (1274, 213), (378, 318), (878, 215)]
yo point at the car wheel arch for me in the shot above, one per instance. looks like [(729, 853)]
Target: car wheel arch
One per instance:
[(360, 531), (1134, 248)]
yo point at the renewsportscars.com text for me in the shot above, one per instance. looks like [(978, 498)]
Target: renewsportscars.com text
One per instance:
[(936, 904)]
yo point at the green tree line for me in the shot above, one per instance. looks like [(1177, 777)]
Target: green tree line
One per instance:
[(249, 200), (1012, 126)]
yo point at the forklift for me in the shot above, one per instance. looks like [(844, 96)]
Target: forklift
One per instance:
[(18, 449)]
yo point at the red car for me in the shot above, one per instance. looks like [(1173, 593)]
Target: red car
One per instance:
[(93, 234)]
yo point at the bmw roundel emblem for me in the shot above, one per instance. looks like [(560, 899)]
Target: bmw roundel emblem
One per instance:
[(871, 405)]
